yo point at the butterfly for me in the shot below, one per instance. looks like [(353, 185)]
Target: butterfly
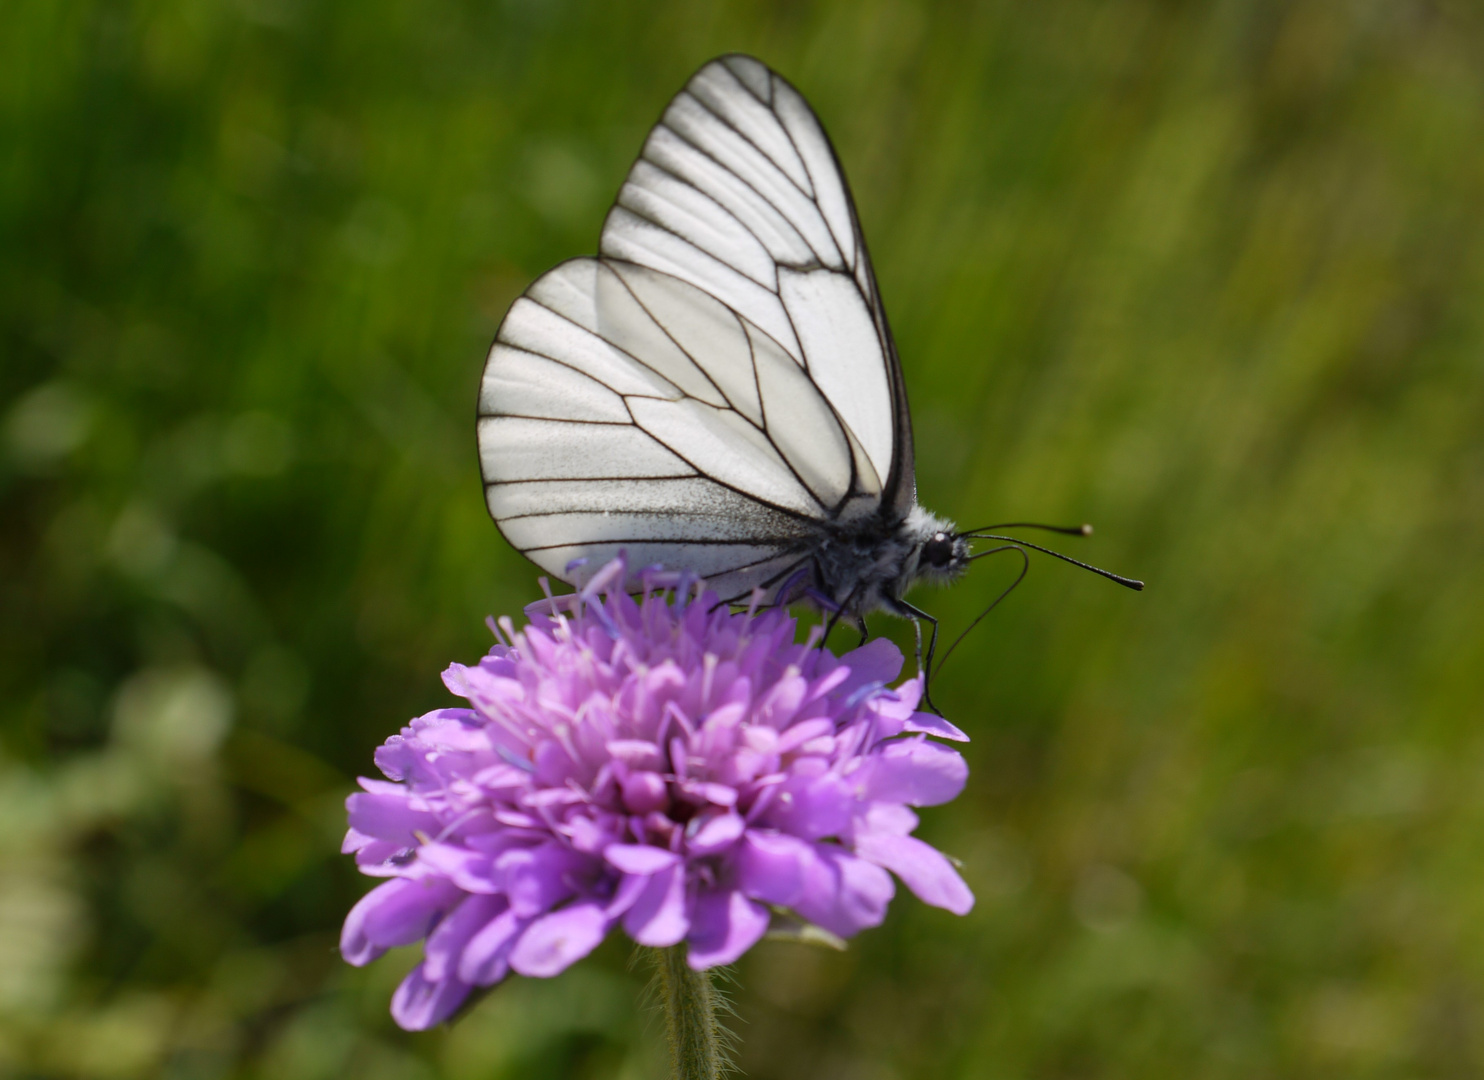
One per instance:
[(718, 390)]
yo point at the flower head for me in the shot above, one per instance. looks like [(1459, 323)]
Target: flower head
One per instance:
[(658, 763)]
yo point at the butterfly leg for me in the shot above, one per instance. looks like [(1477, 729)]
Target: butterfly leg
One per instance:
[(924, 664), (830, 625), (837, 611)]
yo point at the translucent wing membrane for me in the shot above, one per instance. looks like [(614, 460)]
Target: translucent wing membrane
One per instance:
[(719, 386)]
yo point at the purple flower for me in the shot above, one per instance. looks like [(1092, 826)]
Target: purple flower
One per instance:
[(657, 763)]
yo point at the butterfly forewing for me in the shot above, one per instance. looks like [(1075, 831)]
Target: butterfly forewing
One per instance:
[(719, 386)]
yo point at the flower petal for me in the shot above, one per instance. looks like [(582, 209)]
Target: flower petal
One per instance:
[(419, 1002), (471, 871), (883, 817), (813, 807), (536, 878), (402, 911), (916, 772), (933, 725), (485, 959), (643, 792), (713, 834), (389, 817), (639, 858), (636, 753), (878, 660), (355, 946), (723, 927), (771, 866), (921, 867), (555, 942), (658, 917), (630, 888), (445, 948), (800, 733), (843, 893)]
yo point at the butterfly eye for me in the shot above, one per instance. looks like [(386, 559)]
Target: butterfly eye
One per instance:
[(938, 551)]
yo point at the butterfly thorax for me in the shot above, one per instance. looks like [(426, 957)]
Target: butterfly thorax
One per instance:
[(870, 564)]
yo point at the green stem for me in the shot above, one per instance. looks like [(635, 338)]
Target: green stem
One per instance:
[(690, 1001)]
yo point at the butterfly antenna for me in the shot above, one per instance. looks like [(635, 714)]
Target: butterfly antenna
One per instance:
[(1126, 582), (1065, 530), (1025, 565)]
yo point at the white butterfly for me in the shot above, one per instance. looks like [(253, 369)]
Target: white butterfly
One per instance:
[(717, 391)]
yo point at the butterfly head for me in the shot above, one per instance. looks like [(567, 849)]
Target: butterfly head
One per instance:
[(940, 554)]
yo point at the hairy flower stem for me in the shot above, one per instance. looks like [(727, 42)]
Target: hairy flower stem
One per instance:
[(695, 1037)]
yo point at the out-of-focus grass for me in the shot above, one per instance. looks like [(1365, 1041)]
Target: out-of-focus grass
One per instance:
[(1207, 275)]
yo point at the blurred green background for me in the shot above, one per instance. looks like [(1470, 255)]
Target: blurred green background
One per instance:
[(1208, 275)]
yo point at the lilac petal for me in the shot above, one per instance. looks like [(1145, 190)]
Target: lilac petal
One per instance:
[(921, 867), (813, 807), (445, 947), (403, 911), (389, 817), (824, 746), (630, 888), (916, 772), (553, 764), (802, 732), (485, 958), (355, 946), (717, 794), (384, 859), (762, 739), (780, 704), (826, 683), (482, 685), (368, 850), (714, 834), (536, 878), (354, 841), (865, 890), (771, 866), (471, 871), (934, 725), (589, 834), (502, 777), (679, 757), (461, 731), (643, 792), (545, 797), (893, 818), (724, 718), (517, 820), (903, 699), (878, 661), (658, 916), (555, 942), (636, 753), (639, 858), (843, 893), (724, 926), (420, 1003), (395, 759)]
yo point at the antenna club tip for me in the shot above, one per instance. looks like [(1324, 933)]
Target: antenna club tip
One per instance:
[(1137, 586), (1086, 529)]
